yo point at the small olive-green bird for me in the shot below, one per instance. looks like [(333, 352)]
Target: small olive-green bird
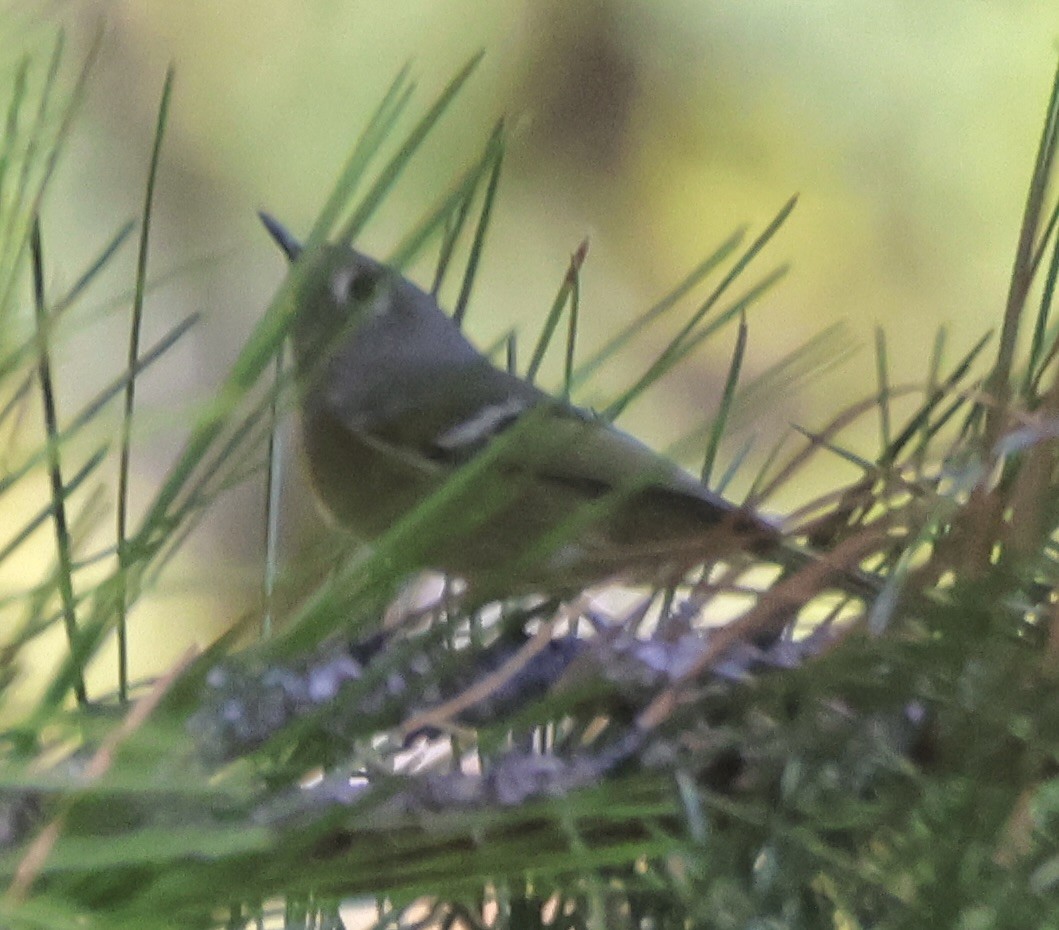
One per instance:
[(394, 400)]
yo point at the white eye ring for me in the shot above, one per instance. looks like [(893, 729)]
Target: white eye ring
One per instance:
[(354, 284), (341, 282)]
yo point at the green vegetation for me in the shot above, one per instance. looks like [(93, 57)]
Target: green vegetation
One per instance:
[(890, 765)]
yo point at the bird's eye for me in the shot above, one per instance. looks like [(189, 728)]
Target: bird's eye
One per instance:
[(360, 285), (364, 286)]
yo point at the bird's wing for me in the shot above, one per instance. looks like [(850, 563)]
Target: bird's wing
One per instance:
[(443, 418), (445, 414)]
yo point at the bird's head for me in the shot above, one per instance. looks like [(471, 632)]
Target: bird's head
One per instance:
[(339, 291)]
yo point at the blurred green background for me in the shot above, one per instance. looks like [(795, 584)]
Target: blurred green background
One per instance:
[(654, 128)]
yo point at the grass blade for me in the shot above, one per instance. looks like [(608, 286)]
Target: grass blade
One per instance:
[(32, 202), (273, 487), (8, 153), (478, 243), (883, 377), (685, 343), (455, 201), (998, 383), (454, 224), (51, 427), (566, 289), (130, 387), (922, 416), (51, 510), (1040, 356), (573, 319), (371, 139), (717, 428), (667, 303), (397, 164), (90, 411)]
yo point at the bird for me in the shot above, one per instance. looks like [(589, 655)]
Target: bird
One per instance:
[(395, 400)]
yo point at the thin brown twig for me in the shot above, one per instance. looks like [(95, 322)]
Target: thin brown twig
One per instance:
[(440, 715), (816, 442), (795, 590)]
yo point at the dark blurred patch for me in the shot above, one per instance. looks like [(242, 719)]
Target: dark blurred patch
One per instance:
[(581, 85)]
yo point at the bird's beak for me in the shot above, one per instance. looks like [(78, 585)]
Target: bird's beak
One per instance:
[(292, 248)]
